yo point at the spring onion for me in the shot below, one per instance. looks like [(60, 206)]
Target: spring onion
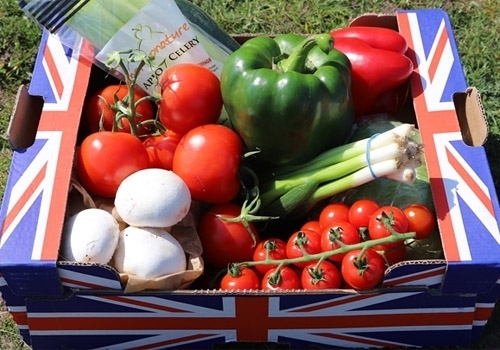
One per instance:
[(295, 190)]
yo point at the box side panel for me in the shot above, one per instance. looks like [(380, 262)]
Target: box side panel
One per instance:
[(464, 193), (485, 306), (88, 276), (17, 309), (33, 207), (399, 319)]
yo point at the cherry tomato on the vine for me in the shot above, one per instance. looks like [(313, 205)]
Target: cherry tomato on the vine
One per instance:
[(392, 254), (421, 220), (363, 270), (333, 212), (95, 109), (340, 232), (284, 277), (394, 217), (245, 278), (208, 158), (308, 240), (161, 149), (360, 212), (272, 248), (226, 242), (395, 251), (191, 97), (324, 276), (312, 225), (106, 158)]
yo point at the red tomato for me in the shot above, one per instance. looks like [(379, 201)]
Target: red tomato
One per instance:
[(191, 97), (308, 240), (312, 225), (360, 212), (207, 158), (284, 278), (396, 218), (95, 108), (421, 220), (392, 254), (363, 271), (106, 158), (340, 231), (324, 276), (226, 242), (246, 278), (333, 212), (272, 248), (161, 149)]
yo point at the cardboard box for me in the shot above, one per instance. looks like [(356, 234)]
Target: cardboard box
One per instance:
[(422, 303)]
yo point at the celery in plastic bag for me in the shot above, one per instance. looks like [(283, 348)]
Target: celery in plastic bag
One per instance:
[(153, 27)]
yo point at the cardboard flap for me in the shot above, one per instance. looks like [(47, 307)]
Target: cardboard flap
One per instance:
[(34, 203), (24, 119), (376, 20), (451, 121), (471, 117), (25, 280)]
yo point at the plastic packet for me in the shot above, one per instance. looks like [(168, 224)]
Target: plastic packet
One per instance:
[(151, 27)]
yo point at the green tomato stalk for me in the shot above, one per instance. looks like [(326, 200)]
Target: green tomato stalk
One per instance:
[(251, 204), (319, 257), (127, 107)]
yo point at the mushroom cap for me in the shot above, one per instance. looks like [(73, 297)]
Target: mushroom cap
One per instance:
[(90, 236), (152, 198), (148, 252)]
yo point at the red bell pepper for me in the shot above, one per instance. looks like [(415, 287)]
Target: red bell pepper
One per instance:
[(376, 37), (380, 68)]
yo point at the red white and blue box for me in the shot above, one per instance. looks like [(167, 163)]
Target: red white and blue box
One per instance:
[(60, 305)]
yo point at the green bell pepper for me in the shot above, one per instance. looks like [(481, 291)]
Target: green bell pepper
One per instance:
[(289, 97)]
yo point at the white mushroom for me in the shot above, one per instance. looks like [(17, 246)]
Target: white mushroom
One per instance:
[(90, 236), (152, 198), (148, 252)]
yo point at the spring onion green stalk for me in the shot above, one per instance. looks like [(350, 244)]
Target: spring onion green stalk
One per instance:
[(398, 135), (295, 190)]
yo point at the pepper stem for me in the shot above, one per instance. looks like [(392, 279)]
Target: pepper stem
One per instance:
[(296, 61)]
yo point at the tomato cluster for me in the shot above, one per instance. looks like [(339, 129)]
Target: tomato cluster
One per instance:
[(129, 131), (337, 226), (179, 131)]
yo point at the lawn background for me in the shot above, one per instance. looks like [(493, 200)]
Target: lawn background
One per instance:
[(477, 31)]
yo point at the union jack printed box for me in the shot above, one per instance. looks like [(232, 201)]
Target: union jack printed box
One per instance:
[(60, 305)]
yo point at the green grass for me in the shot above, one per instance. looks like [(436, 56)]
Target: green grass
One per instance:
[(476, 26)]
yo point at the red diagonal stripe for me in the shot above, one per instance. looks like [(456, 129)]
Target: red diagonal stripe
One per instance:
[(19, 205), (420, 276), (443, 40), (140, 303), (483, 197), (82, 283), (166, 343), (333, 303), (54, 72)]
